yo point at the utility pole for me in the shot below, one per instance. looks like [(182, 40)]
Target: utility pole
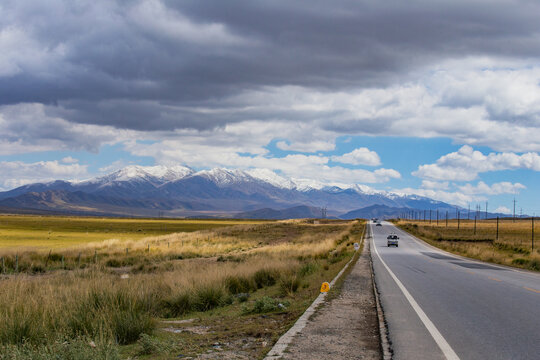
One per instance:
[(437, 217), (469, 211), (446, 218), (458, 216), (514, 216), (532, 237), (497, 236), (486, 209)]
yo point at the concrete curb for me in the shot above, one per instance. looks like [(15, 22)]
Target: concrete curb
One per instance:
[(284, 341)]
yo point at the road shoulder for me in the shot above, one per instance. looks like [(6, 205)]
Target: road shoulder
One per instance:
[(346, 327)]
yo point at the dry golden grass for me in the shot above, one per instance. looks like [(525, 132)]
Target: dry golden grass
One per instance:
[(511, 245), (33, 232), (119, 296)]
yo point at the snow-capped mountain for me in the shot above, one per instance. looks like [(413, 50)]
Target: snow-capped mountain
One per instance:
[(180, 191), (154, 174)]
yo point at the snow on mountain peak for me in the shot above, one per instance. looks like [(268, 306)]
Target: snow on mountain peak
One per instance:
[(168, 173), (222, 177), (307, 184), (157, 174), (271, 178)]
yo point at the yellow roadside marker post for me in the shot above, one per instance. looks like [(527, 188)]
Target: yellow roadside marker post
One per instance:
[(325, 287)]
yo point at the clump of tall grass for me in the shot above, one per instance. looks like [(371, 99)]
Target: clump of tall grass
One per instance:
[(240, 284), (61, 349), (266, 304), (150, 345), (265, 277), (289, 284)]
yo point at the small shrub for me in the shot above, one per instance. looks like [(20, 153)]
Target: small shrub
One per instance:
[(116, 312), (239, 284), (128, 325), (37, 269), (75, 349), (266, 304), (18, 327), (264, 277), (151, 345), (55, 257), (243, 297), (520, 261), (336, 257), (534, 265), (209, 297), (308, 269), (178, 305), (289, 284), (114, 263)]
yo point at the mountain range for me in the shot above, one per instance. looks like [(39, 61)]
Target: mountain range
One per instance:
[(180, 191)]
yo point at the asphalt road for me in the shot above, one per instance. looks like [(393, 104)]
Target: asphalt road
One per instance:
[(441, 306)]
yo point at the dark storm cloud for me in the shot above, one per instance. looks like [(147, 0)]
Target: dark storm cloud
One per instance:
[(153, 66)]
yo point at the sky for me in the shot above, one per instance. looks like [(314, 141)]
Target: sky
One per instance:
[(436, 98)]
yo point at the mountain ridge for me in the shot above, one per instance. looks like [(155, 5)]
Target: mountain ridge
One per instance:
[(181, 191)]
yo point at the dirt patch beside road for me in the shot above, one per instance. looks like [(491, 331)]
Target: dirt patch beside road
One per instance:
[(347, 326)]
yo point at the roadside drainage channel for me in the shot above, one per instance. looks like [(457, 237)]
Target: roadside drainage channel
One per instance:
[(285, 340)]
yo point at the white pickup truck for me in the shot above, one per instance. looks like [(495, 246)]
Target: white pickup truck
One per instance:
[(392, 240)]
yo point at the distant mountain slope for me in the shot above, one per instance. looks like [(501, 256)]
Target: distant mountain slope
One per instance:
[(81, 202), (180, 191), (297, 212), (375, 211)]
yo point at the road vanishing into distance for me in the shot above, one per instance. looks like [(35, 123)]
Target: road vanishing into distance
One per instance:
[(439, 306)]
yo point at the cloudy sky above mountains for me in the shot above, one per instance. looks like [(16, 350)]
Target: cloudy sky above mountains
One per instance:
[(438, 98)]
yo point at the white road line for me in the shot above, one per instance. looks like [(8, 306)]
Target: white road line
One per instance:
[(439, 339)]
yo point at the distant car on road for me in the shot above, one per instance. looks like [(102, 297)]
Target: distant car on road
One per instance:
[(392, 240), (378, 224)]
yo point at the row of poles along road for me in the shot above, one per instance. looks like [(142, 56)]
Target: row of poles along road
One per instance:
[(417, 215)]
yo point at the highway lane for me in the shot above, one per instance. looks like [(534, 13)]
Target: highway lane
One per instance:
[(450, 307)]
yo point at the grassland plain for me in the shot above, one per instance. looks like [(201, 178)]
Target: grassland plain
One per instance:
[(49, 232), (226, 292), (511, 244)]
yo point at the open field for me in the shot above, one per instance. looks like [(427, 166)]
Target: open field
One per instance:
[(50, 232), (511, 245), (219, 292)]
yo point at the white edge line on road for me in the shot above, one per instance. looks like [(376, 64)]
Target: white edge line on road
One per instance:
[(439, 339)]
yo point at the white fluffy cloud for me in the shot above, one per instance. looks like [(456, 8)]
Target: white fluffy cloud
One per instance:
[(504, 187), (360, 156), (158, 20), (462, 195), (451, 197), (204, 152), (26, 128), (428, 184), (466, 164), (503, 210), (16, 173)]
